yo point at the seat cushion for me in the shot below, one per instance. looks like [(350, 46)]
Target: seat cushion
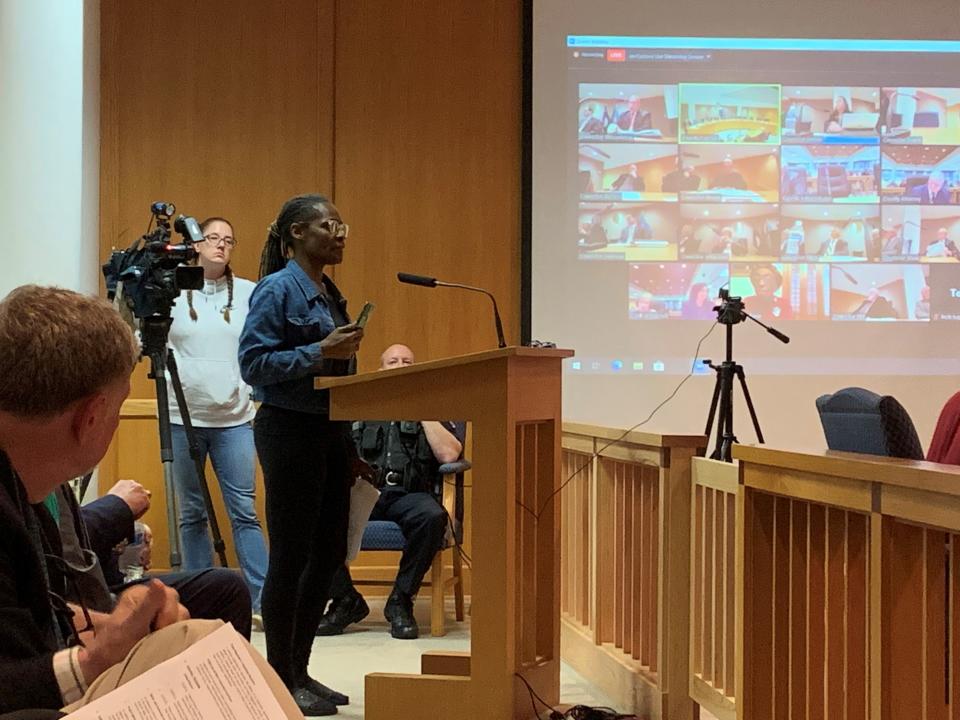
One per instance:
[(382, 535)]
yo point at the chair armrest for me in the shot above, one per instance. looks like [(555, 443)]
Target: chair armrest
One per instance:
[(455, 467)]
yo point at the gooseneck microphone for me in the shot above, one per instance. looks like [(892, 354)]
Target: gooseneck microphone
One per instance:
[(425, 281), (416, 279)]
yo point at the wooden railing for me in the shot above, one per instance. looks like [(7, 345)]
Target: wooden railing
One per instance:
[(625, 563), (851, 599), (821, 586)]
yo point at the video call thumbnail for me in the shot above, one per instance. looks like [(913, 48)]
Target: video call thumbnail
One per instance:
[(920, 116), (835, 233), (721, 173), (944, 292), (921, 175), (830, 173), (730, 113), (627, 231), (679, 290), (830, 115), (610, 171), (723, 231), (879, 292), (930, 234), (627, 113), (774, 292)]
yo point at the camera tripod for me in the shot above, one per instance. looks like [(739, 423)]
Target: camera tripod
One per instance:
[(154, 332), (730, 312)]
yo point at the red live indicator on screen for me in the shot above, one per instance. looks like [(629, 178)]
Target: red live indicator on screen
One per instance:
[(616, 55)]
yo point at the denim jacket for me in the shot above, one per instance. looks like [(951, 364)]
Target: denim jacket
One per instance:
[(280, 344)]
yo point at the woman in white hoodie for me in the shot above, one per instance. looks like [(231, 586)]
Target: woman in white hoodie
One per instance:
[(204, 336)]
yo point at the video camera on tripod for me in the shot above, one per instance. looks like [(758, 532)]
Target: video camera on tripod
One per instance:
[(152, 272), (146, 279), (731, 311)]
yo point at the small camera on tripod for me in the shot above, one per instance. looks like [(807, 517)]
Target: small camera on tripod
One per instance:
[(152, 272), (730, 311)]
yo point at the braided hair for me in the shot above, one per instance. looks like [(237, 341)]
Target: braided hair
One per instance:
[(227, 271), (276, 249)]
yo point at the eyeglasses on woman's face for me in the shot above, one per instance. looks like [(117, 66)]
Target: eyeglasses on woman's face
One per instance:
[(216, 240), (337, 228)]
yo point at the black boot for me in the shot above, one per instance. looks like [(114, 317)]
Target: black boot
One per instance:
[(399, 611), (311, 704), (322, 691), (343, 611)]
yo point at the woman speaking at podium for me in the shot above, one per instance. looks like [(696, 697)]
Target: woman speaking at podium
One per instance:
[(298, 328)]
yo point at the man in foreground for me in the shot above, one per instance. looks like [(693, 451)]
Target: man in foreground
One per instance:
[(65, 363)]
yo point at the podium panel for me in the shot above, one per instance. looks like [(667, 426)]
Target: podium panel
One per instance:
[(512, 398)]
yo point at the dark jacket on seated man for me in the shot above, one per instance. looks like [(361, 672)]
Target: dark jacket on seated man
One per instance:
[(31, 630), (407, 476), (108, 521), (104, 523)]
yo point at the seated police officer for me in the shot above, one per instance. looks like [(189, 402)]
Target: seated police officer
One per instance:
[(407, 457)]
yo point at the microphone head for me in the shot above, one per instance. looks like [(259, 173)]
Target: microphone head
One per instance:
[(416, 279)]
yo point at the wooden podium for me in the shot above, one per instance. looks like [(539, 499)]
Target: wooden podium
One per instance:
[(512, 398)]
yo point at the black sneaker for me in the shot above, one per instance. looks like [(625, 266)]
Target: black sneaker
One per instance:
[(311, 705), (343, 611), (399, 612)]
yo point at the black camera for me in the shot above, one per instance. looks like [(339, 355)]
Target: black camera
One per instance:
[(730, 311), (152, 272)]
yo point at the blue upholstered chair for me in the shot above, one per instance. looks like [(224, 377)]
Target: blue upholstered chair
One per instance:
[(383, 535), (857, 420)]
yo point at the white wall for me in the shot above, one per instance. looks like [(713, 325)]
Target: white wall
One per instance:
[(49, 143)]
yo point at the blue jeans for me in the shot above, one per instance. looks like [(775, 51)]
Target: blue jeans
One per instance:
[(232, 454)]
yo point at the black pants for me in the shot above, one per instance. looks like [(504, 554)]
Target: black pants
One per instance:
[(423, 522), (306, 474), (213, 594)]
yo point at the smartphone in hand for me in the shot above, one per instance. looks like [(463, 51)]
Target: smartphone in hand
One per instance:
[(364, 315)]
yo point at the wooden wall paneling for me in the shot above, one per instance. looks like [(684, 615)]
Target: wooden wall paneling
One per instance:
[(585, 576), (221, 111), (719, 599), (857, 620), (650, 574), (652, 624), (758, 599), (729, 594), (781, 607), (620, 559), (903, 603), (799, 617), (954, 646), (816, 600), (629, 552), (709, 584), (606, 552), (935, 626), (835, 614), (698, 586), (428, 167), (641, 562)]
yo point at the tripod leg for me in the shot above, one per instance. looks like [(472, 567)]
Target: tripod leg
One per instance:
[(725, 389), (157, 366), (746, 396), (713, 405), (725, 445), (218, 545)]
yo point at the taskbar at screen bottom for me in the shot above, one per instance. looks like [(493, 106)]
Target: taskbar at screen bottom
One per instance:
[(793, 366)]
